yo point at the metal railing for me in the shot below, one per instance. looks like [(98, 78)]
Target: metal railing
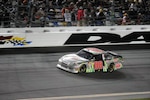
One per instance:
[(15, 13)]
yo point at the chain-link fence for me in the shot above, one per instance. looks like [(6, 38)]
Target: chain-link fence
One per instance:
[(55, 13)]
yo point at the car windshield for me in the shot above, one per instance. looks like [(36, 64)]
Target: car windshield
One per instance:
[(85, 54)]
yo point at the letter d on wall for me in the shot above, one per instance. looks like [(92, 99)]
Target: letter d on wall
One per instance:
[(92, 38)]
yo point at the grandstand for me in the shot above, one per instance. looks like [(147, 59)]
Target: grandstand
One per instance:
[(55, 13)]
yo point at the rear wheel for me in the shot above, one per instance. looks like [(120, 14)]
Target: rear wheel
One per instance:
[(82, 69), (111, 68)]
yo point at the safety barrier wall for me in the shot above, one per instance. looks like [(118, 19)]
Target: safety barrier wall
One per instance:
[(74, 36)]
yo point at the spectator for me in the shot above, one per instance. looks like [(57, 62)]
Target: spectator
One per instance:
[(51, 14), (107, 16), (67, 17), (39, 14), (57, 2), (79, 3), (92, 16), (71, 6), (63, 10), (80, 16), (28, 10), (86, 17), (100, 18), (139, 19), (84, 5), (131, 6), (73, 17), (124, 19), (132, 14)]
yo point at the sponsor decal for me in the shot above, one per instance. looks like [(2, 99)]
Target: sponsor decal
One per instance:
[(90, 67), (98, 65), (16, 41), (84, 38), (93, 66)]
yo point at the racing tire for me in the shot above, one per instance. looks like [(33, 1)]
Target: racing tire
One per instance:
[(82, 69), (111, 68)]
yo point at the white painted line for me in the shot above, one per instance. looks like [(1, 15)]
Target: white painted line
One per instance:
[(89, 96)]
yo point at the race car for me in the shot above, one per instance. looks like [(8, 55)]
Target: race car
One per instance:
[(89, 60)]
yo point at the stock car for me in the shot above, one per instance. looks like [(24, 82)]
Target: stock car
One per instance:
[(90, 59)]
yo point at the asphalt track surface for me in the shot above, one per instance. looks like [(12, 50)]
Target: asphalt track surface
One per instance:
[(35, 77)]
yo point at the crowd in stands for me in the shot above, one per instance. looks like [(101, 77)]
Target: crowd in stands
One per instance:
[(34, 13)]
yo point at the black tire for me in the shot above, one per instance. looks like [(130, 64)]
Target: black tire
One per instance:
[(82, 69), (111, 68)]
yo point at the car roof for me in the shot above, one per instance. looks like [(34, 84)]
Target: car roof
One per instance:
[(94, 51)]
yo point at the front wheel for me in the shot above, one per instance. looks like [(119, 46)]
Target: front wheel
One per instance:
[(82, 69)]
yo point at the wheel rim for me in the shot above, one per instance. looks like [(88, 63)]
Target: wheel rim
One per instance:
[(111, 68), (83, 69)]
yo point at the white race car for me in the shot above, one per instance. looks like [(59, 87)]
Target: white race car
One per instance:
[(89, 60)]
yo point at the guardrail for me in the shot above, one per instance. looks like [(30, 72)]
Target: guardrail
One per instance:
[(74, 36)]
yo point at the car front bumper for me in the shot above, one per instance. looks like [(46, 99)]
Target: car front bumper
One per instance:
[(67, 69)]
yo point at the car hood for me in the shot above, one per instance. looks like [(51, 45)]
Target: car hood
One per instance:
[(73, 58)]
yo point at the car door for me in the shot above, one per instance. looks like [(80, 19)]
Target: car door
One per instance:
[(95, 64), (98, 63)]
